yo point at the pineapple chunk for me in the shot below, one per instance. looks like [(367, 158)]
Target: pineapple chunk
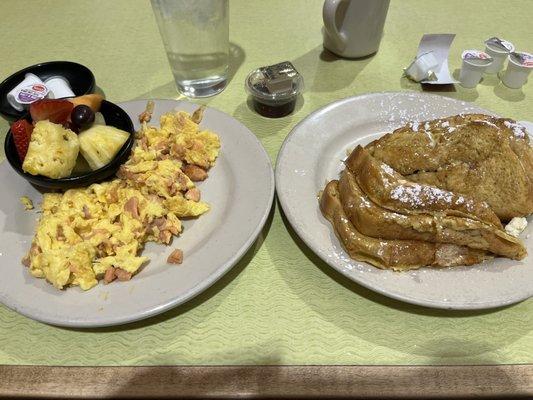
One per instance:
[(100, 144), (52, 151)]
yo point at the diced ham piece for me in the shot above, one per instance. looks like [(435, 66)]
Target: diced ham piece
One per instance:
[(182, 179), (176, 257), (132, 206), (35, 249), (109, 275), (165, 236), (86, 212), (113, 195), (125, 173), (122, 275), (159, 222), (26, 260), (177, 150), (193, 194), (146, 115), (60, 235), (195, 173)]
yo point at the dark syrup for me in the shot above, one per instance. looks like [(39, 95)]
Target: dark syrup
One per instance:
[(273, 111)]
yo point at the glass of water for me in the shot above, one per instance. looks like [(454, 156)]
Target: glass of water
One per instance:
[(195, 34)]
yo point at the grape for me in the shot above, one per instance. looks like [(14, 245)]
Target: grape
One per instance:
[(82, 116)]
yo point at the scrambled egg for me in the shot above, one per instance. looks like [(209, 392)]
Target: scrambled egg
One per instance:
[(27, 203), (98, 232)]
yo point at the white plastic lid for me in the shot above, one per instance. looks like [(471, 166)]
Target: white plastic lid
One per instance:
[(278, 82)]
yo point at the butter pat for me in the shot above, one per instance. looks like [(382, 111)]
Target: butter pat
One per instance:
[(516, 226), (52, 151)]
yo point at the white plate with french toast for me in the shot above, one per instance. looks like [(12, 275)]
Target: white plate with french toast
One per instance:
[(190, 201), (418, 197)]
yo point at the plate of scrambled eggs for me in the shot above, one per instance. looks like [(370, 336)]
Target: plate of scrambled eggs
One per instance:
[(186, 206)]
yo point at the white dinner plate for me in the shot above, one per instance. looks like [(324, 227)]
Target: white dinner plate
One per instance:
[(240, 190), (311, 155)]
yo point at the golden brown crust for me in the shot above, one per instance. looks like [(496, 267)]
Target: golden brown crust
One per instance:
[(432, 193), (391, 254), (375, 221), (477, 155), (391, 191)]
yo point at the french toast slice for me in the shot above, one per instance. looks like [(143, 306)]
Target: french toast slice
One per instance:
[(392, 191), (391, 254), (375, 221), (487, 158)]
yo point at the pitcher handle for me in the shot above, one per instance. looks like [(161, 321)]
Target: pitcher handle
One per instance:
[(329, 12)]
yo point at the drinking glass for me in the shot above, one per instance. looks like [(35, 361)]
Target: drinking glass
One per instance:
[(195, 34)]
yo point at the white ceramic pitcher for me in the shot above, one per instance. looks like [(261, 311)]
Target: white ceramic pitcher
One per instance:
[(353, 28)]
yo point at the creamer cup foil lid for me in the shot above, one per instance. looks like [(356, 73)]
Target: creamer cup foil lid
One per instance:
[(31, 93), (476, 57), (499, 44), (523, 59)]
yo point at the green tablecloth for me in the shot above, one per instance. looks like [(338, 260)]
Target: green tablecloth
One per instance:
[(281, 304)]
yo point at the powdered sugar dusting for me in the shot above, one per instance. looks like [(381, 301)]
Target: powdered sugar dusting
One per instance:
[(387, 169), (365, 202), (431, 139), (519, 131), (420, 196), (481, 121), (404, 108)]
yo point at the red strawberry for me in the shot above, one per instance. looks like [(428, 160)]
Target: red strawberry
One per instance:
[(21, 131), (56, 111)]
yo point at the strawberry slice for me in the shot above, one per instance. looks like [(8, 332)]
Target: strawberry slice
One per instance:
[(21, 131), (56, 111)]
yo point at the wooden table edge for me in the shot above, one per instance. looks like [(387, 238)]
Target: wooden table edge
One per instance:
[(296, 381)]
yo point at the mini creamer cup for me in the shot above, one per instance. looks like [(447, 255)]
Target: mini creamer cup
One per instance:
[(58, 87), (31, 93), (474, 64), (518, 68), (498, 49), (29, 80)]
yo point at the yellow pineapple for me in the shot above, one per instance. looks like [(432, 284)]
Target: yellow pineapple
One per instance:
[(100, 144), (52, 151)]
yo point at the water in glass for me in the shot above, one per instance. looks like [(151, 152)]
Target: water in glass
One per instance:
[(195, 34)]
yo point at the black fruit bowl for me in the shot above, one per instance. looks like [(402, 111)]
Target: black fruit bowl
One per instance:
[(114, 116), (80, 78)]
